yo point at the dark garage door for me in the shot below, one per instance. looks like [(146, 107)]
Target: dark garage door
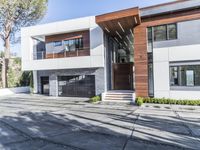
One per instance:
[(76, 86)]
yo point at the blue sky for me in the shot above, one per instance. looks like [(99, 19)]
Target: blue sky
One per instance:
[(66, 9)]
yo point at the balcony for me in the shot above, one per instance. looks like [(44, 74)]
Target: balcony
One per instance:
[(62, 54)]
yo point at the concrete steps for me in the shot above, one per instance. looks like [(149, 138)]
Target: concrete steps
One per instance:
[(119, 96)]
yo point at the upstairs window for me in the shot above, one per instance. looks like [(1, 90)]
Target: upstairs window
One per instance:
[(172, 31), (57, 43), (162, 32), (185, 75), (73, 44)]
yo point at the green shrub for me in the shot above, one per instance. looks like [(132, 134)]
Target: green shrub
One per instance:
[(141, 100), (95, 99)]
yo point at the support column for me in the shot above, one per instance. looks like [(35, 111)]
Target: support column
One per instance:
[(35, 82), (53, 85), (141, 61)]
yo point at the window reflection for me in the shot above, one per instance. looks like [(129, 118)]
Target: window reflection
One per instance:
[(188, 75)]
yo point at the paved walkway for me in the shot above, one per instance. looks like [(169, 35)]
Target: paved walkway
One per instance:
[(45, 123)]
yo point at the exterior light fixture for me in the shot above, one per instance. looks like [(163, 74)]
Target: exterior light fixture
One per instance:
[(121, 26), (107, 30), (118, 34), (135, 20)]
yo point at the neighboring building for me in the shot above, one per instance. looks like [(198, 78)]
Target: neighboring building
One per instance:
[(153, 51)]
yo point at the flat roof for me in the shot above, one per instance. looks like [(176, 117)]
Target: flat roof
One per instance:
[(170, 7)]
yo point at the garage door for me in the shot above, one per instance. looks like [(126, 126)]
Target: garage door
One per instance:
[(76, 86)]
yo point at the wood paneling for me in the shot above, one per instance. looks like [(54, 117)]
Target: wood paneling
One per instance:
[(59, 37), (123, 76), (127, 18), (140, 44)]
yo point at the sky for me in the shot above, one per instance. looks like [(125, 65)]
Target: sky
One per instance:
[(59, 10)]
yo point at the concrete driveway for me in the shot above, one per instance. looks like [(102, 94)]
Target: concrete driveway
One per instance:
[(46, 123)]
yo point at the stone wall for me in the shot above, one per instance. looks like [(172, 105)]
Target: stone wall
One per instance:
[(53, 75)]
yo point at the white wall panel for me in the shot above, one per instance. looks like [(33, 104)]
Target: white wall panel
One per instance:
[(96, 59)]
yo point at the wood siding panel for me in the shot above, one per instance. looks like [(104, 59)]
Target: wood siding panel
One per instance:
[(141, 61), (171, 18), (59, 37), (140, 44)]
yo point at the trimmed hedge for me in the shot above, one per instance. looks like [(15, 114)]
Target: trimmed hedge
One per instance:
[(167, 101), (95, 99)]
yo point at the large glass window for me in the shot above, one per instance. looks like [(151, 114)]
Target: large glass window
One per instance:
[(186, 75), (73, 44), (172, 31), (162, 32)]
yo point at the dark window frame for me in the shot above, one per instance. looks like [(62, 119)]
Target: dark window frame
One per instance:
[(167, 33), (57, 43), (78, 42), (178, 75)]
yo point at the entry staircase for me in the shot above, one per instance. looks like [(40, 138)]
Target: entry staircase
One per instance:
[(119, 96)]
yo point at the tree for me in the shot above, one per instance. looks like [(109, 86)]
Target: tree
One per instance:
[(15, 14)]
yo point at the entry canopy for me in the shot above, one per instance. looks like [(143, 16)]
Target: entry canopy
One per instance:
[(119, 23)]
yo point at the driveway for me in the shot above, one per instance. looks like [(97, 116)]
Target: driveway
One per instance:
[(46, 123)]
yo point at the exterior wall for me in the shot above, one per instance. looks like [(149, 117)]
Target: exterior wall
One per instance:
[(141, 61), (96, 58), (60, 37), (169, 7), (185, 49), (53, 82)]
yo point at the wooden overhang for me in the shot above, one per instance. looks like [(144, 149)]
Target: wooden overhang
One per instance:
[(119, 23)]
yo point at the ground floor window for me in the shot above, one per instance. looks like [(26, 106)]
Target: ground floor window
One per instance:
[(76, 86), (185, 75)]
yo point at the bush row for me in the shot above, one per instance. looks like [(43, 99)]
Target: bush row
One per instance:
[(95, 99), (141, 100)]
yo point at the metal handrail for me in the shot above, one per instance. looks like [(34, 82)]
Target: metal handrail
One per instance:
[(44, 54)]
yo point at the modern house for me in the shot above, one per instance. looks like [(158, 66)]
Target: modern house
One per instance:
[(152, 51)]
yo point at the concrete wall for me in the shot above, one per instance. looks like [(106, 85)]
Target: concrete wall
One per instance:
[(185, 49), (170, 7), (96, 58), (11, 91), (53, 74)]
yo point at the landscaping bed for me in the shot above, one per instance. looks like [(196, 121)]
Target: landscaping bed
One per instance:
[(141, 100)]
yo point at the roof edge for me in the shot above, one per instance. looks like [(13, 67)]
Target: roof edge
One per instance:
[(163, 4)]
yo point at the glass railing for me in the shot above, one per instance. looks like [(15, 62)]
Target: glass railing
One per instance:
[(55, 54)]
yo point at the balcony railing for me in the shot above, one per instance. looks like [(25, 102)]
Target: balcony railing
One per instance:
[(54, 54)]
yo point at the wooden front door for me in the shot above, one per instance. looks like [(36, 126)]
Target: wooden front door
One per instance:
[(45, 85), (123, 76)]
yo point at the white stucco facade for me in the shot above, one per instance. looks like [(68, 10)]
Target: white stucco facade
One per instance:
[(162, 59), (186, 49), (95, 59)]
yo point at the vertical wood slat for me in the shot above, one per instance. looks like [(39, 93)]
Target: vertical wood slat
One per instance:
[(141, 61)]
